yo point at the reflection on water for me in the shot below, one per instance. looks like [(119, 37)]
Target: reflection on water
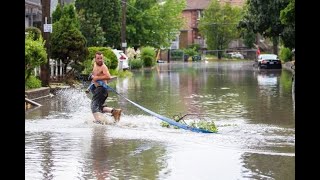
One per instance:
[(253, 111), (261, 166)]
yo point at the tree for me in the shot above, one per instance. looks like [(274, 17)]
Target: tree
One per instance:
[(249, 38), (35, 53), (150, 23), (248, 35), (264, 17), (57, 13), (109, 13), (90, 28), (287, 18), (218, 25), (67, 42)]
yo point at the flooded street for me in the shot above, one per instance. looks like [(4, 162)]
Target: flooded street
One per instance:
[(253, 110)]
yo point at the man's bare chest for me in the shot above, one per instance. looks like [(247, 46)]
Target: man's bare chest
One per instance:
[(98, 71)]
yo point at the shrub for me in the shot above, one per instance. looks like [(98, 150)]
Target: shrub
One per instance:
[(35, 54), (285, 54), (35, 31), (136, 63), (109, 58), (196, 47), (32, 82), (148, 56), (176, 54), (190, 52), (131, 53)]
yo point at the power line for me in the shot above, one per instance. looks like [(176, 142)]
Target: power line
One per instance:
[(131, 6)]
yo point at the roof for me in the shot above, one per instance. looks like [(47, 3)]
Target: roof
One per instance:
[(197, 4)]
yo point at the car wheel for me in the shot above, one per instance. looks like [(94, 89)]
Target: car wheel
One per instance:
[(259, 65)]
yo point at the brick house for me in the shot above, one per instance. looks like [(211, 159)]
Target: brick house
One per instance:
[(189, 34)]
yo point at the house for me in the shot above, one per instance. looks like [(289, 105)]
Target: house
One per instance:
[(33, 13), (193, 12)]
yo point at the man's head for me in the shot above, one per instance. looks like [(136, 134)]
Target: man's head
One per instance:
[(99, 58)]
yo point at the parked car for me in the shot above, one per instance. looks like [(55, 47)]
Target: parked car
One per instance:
[(235, 55), (123, 59), (268, 61)]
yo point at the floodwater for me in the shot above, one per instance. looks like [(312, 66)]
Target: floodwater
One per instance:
[(253, 110)]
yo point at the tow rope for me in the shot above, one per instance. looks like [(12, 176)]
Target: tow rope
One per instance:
[(168, 120)]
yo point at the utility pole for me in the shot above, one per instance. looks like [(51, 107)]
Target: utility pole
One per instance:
[(45, 68), (123, 26)]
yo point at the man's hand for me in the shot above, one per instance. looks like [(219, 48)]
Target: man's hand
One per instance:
[(90, 77), (94, 78)]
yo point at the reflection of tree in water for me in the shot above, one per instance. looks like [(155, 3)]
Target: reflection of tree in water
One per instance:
[(46, 152), (124, 159), (99, 153), (264, 166), (47, 162)]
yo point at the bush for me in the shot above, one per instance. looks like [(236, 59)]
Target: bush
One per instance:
[(176, 54), (35, 54), (35, 31), (190, 52), (196, 47), (109, 58), (285, 54), (148, 56), (136, 63), (32, 82)]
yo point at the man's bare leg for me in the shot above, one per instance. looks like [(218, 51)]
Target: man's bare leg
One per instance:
[(107, 109)]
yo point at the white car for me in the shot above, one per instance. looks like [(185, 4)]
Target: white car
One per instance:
[(236, 55), (123, 59)]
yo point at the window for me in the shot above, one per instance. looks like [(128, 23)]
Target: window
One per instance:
[(199, 15)]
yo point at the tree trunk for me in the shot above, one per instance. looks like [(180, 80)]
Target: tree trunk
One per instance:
[(45, 68), (275, 45)]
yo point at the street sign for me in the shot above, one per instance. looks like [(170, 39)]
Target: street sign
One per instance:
[(47, 28)]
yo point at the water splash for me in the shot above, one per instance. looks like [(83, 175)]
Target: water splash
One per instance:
[(234, 132)]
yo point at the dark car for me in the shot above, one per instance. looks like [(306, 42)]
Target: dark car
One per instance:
[(268, 61)]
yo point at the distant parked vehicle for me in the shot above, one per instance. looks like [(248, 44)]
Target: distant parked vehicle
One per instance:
[(268, 61), (122, 58), (235, 55)]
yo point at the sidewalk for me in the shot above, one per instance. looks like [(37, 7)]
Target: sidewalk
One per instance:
[(288, 66)]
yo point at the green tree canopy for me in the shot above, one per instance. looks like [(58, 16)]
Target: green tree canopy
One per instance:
[(219, 25), (150, 23), (67, 42), (264, 17), (287, 17), (91, 29), (108, 11)]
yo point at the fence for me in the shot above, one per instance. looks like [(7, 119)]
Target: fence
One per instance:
[(247, 53), (56, 70), (179, 55)]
